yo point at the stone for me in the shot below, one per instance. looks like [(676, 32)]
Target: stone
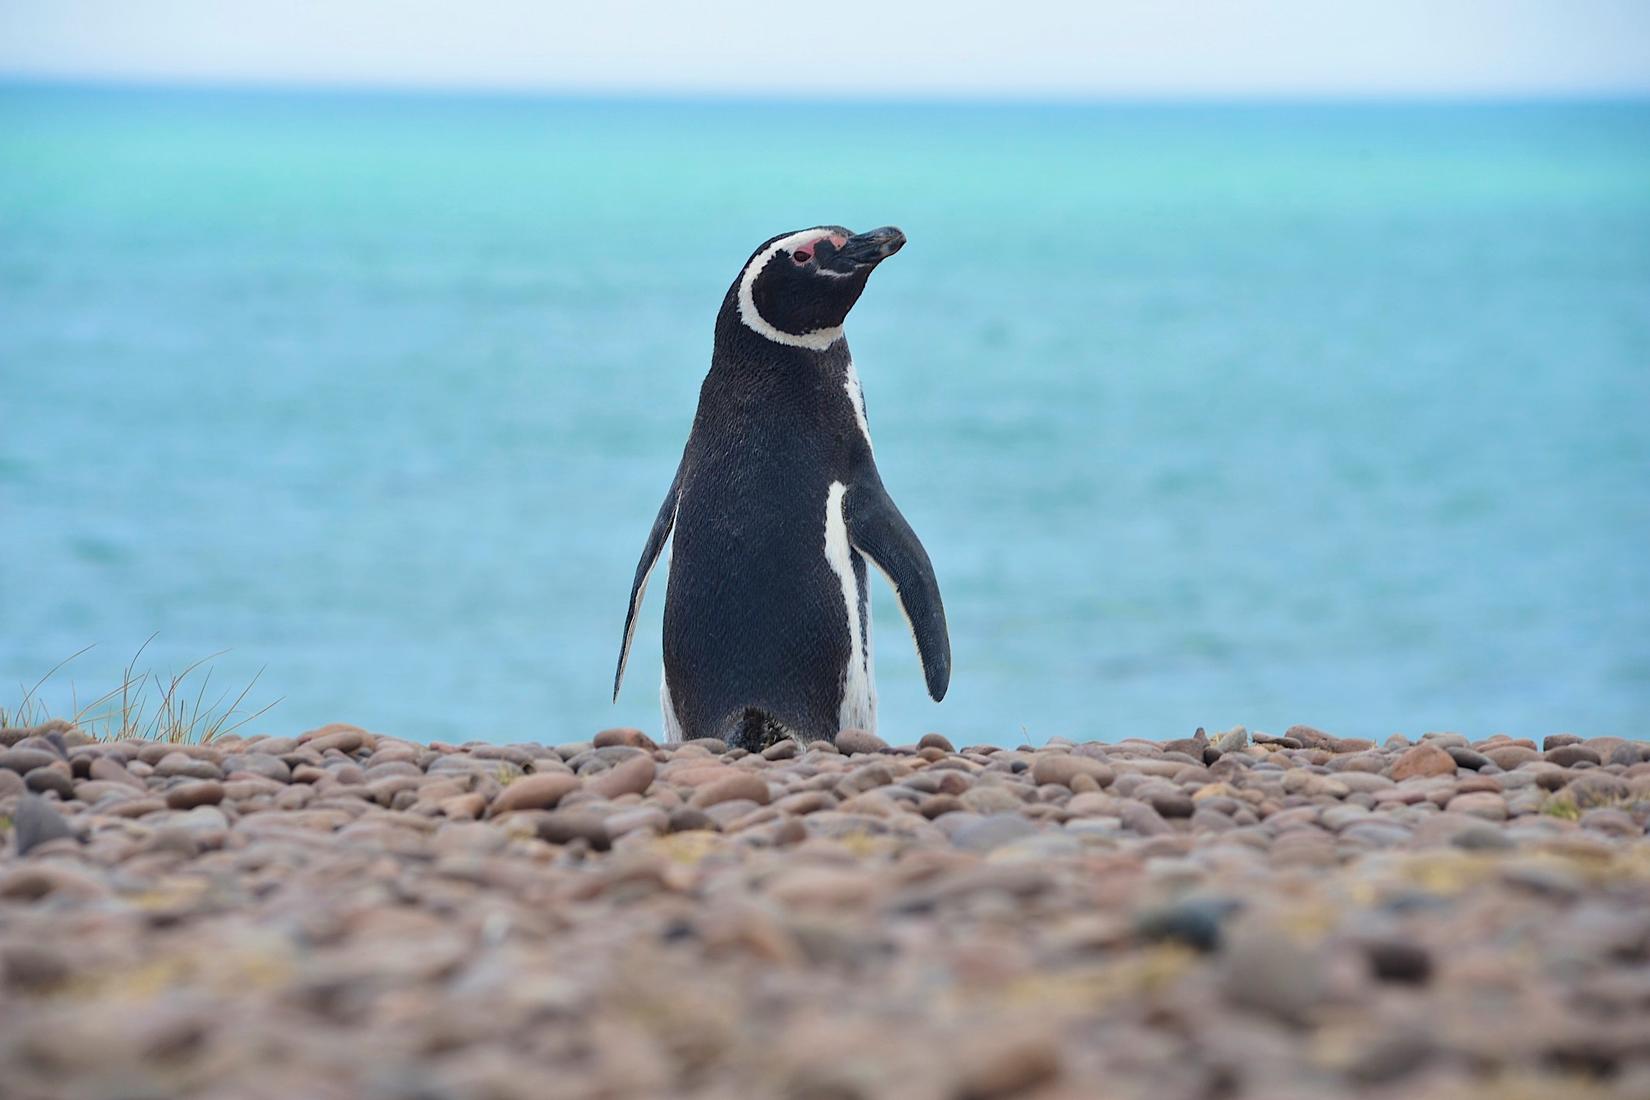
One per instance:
[(24, 760), (176, 764), (712, 745), (992, 832), (1062, 768), (1310, 737), (1271, 972), (1466, 757), (686, 819), (1612, 822), (937, 805), (739, 785), (851, 741), (632, 776), (822, 887), (1482, 838), (535, 792), (35, 822), (936, 741), (1400, 961), (641, 818), (1569, 755), (1490, 807), (624, 735), (1596, 789), (55, 779), (1194, 921), (187, 796), (994, 1066), (33, 968), (35, 880), (1231, 741), (1508, 757), (1171, 803), (106, 769), (921, 922), (260, 764), (1423, 760), (345, 739), (991, 799), (566, 826), (1138, 817), (1192, 746)]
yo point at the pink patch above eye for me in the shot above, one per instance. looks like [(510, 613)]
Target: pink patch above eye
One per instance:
[(804, 253)]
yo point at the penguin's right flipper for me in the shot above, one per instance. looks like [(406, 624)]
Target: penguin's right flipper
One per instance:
[(877, 530), (650, 557)]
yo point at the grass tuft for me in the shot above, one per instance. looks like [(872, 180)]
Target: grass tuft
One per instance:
[(1562, 805), (146, 706)]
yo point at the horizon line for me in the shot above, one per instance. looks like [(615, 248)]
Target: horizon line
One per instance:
[(937, 97)]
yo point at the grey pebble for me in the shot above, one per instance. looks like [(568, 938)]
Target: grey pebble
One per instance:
[(35, 822)]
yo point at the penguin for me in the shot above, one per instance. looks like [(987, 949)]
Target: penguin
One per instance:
[(776, 508)]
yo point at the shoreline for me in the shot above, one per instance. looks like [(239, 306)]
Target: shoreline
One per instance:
[(346, 914)]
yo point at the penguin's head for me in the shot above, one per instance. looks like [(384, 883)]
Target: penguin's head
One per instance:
[(798, 287)]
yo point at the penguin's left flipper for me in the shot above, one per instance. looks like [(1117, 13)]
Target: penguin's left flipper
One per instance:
[(644, 568), (877, 530)]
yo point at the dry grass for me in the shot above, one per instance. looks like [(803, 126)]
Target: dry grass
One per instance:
[(146, 705)]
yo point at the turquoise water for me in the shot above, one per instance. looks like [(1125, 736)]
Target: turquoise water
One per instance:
[(1207, 415)]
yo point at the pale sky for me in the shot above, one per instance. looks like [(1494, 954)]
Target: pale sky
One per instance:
[(1060, 48)]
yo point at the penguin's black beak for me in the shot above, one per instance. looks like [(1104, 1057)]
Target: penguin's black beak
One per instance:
[(870, 249)]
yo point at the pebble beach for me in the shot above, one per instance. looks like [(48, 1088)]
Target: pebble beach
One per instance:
[(344, 914)]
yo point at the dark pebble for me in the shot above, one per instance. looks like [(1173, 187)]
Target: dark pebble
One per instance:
[(685, 819), (35, 822), (32, 968), (1467, 758), (566, 826), (42, 780), (1172, 803), (1482, 838), (1399, 961), (1195, 922)]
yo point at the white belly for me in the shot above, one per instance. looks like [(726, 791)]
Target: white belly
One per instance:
[(858, 709)]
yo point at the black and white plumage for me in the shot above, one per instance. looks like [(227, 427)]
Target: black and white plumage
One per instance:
[(775, 509)]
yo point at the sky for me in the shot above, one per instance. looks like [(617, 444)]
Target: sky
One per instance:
[(852, 48)]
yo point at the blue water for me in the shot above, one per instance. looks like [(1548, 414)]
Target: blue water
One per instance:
[(1207, 415)]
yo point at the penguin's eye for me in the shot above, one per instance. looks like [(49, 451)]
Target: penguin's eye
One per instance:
[(802, 255)]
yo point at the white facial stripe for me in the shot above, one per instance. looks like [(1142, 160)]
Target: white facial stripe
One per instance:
[(858, 709), (856, 398), (817, 340)]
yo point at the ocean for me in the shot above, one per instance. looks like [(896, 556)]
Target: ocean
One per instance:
[(1207, 414)]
